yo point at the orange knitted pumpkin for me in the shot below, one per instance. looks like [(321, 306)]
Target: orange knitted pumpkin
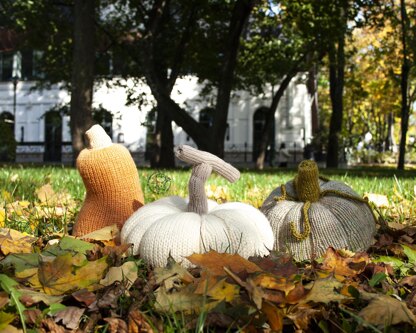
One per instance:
[(112, 183)]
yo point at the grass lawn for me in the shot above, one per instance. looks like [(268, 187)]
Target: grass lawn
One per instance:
[(347, 291)]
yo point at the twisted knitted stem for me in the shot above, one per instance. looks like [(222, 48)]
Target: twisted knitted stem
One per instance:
[(203, 164), (198, 202), (194, 156), (307, 181), (306, 225), (284, 195)]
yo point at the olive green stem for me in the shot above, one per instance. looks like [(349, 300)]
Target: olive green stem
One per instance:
[(307, 181)]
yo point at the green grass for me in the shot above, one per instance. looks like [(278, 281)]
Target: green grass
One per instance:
[(21, 184)]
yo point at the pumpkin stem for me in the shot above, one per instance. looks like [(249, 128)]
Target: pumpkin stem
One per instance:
[(307, 181), (97, 138), (198, 202), (194, 156)]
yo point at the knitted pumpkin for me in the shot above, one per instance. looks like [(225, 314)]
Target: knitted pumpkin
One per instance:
[(311, 213), (112, 183), (177, 227)]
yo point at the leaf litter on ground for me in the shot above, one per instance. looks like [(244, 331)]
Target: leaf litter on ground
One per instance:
[(63, 284)]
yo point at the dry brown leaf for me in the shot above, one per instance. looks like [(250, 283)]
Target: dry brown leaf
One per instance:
[(116, 325), (324, 291), (12, 241), (303, 316), (138, 323), (172, 275), (4, 298), (84, 296), (31, 297), (279, 265), (49, 326), (342, 265), (215, 262), (270, 281), (384, 311), (274, 316), (70, 316), (184, 300), (127, 274), (33, 316)]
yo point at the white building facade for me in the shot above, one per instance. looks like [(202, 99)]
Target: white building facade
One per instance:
[(43, 136)]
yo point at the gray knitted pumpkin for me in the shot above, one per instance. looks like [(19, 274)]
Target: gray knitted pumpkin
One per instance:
[(310, 214)]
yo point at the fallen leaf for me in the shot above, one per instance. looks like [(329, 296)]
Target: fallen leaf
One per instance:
[(223, 290), (137, 323), (48, 325), (12, 241), (172, 274), (270, 281), (279, 265), (303, 315), (70, 317), (127, 273), (409, 281), (108, 233), (324, 291), (384, 311), (378, 200), (76, 245), (31, 297), (60, 276), (11, 329), (254, 291), (5, 319), (344, 266), (116, 325), (33, 316), (185, 300), (274, 316), (4, 299), (84, 296), (215, 262), (411, 254)]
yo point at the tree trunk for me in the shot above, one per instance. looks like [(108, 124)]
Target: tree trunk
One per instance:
[(336, 86), (241, 13), (265, 137), (404, 87), (82, 80), (312, 86), (163, 155)]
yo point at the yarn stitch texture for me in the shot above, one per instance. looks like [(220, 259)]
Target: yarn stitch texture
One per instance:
[(311, 213), (113, 190)]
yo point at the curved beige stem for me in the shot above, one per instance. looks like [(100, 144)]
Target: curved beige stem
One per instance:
[(194, 156), (97, 138), (198, 202), (203, 164)]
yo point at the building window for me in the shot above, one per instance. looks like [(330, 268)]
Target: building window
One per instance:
[(6, 66), (206, 117)]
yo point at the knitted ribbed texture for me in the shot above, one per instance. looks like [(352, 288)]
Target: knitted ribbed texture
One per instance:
[(113, 191), (340, 218), (307, 181), (177, 227)]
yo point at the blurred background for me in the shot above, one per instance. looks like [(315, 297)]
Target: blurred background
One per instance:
[(259, 83)]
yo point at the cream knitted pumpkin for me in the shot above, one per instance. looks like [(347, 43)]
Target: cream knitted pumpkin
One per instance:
[(310, 213), (178, 227)]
